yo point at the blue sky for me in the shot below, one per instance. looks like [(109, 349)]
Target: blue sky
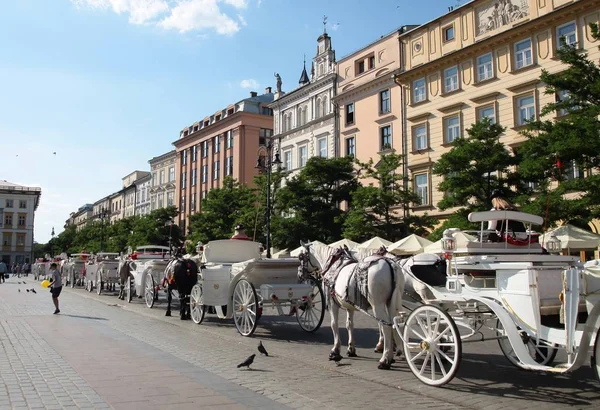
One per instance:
[(108, 84)]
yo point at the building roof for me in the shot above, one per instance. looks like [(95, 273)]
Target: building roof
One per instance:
[(162, 157), (13, 188), (399, 31), (304, 76)]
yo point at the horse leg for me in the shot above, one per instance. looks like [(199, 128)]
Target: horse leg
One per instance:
[(379, 346), (380, 311), (350, 327), (188, 314), (169, 299), (182, 307), (334, 312)]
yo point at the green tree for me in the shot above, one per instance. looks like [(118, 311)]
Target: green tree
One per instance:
[(222, 209), (308, 206), (562, 155), (376, 209), (155, 228)]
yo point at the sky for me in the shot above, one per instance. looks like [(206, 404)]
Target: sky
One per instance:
[(90, 90)]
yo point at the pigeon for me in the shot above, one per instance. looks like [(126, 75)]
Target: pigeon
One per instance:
[(19, 290), (247, 362), (27, 290), (336, 357), (33, 290), (262, 349)]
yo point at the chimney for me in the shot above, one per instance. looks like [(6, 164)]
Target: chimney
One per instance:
[(253, 94), (268, 90)]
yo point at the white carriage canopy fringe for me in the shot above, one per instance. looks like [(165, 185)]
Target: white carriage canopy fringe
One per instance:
[(461, 240), (411, 245), (572, 237), (350, 244)]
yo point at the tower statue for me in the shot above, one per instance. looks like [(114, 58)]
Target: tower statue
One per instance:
[(278, 77)]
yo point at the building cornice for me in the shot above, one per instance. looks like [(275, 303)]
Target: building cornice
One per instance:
[(305, 126), (163, 157), (304, 91), (372, 84)]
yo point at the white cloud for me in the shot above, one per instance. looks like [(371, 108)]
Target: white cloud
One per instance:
[(249, 83), (335, 26), (180, 15), (258, 3), (242, 20)]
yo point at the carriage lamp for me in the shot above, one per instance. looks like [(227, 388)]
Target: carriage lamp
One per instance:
[(448, 241), (199, 247), (553, 244)]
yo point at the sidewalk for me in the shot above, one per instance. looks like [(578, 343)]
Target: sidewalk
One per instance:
[(76, 361)]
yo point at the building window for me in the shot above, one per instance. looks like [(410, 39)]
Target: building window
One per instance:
[(349, 113), (449, 33), (561, 96), (7, 239), (302, 156), (182, 204), (419, 91), (318, 108), (572, 171), (154, 179), (9, 203), (229, 139), (170, 198), (204, 173), (360, 67), (263, 134), (420, 137), (384, 101), (322, 143), (487, 112), (287, 160), (422, 188), (452, 128), (204, 149), (184, 155), (229, 166), (183, 179), (525, 109), (161, 178), (171, 174), (23, 204), (216, 144), (20, 239), (160, 197), (568, 32), (194, 153), (21, 220), (386, 137), (523, 54), (325, 108), (194, 171), (485, 70), (8, 221), (193, 203), (216, 169), (450, 79), (350, 146)]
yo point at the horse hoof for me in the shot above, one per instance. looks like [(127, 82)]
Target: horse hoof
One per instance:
[(384, 366), (378, 350), (352, 353), (333, 354), (168, 313)]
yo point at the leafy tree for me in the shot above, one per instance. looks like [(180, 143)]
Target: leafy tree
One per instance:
[(222, 209), (308, 207), (558, 148), (375, 207), (156, 229)]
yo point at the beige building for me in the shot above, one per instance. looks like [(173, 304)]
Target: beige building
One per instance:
[(117, 210), (83, 216), (130, 192), (370, 105), (483, 59), (101, 209), (163, 182)]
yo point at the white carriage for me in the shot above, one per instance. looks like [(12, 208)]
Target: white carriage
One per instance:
[(101, 272), (535, 302), (150, 264), (75, 269), (236, 282), (41, 269)]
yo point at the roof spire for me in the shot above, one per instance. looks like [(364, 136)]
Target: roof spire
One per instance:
[(304, 76), (324, 24)]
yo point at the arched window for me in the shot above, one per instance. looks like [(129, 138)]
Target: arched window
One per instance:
[(284, 123), (318, 106), (325, 110), (289, 122), (304, 115), (299, 116)]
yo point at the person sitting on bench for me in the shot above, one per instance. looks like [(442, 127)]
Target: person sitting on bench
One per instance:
[(515, 228)]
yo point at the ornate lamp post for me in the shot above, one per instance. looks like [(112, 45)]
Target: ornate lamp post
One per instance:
[(170, 224), (103, 215), (52, 235), (265, 164)]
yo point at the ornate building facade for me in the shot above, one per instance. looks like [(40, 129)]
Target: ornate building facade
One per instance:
[(305, 118), (163, 180)]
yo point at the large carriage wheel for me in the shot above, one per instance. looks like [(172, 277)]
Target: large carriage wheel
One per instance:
[(73, 279), (596, 356), (129, 289), (311, 311), (99, 282), (245, 307), (197, 308), (432, 346), (149, 290), (543, 354)]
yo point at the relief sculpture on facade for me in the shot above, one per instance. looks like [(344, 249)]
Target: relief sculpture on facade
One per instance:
[(499, 13)]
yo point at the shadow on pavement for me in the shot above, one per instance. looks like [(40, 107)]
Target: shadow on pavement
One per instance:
[(84, 317)]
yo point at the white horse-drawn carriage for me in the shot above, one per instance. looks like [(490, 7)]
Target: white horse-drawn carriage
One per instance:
[(150, 264), (40, 268), (75, 269), (101, 272), (536, 302), (236, 282)]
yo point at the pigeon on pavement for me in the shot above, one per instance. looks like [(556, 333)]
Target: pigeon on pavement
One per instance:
[(247, 362), (27, 290), (33, 290), (262, 349), (19, 290)]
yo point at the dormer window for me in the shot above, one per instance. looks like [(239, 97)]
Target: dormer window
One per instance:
[(195, 128), (371, 62), (218, 117), (230, 111)]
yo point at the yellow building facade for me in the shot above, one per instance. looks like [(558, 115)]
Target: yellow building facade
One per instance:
[(483, 59)]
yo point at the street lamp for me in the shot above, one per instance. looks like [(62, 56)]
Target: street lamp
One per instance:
[(265, 164), (170, 224), (103, 216), (52, 240)]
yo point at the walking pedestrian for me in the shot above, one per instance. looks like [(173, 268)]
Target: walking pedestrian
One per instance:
[(55, 285), (3, 270)]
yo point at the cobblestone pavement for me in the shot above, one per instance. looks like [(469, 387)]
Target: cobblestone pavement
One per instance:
[(102, 352)]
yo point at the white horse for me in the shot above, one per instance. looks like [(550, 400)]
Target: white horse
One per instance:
[(385, 286)]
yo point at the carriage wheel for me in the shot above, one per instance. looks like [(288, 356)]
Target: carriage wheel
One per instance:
[(149, 290), (596, 356), (432, 345), (311, 312), (129, 290), (543, 354), (99, 283), (245, 307), (197, 308)]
